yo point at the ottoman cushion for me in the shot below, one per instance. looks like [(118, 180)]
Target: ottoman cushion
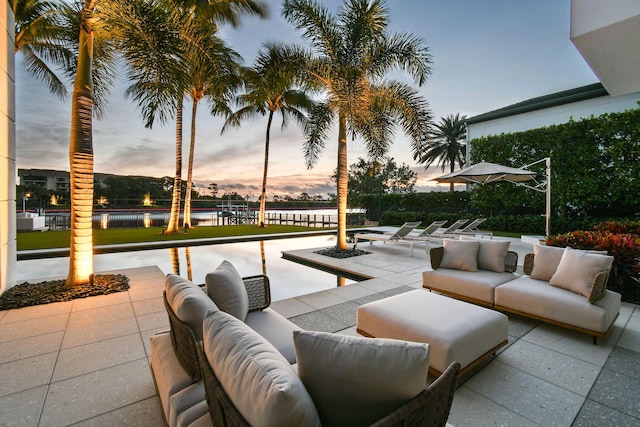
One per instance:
[(455, 330)]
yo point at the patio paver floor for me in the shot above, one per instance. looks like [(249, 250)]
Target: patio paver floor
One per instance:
[(86, 362)]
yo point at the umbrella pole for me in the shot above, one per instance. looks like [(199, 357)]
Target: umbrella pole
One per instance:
[(548, 197)]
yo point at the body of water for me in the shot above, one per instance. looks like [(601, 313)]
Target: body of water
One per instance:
[(288, 279)]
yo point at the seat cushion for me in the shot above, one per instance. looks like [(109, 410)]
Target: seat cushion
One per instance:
[(538, 298), (276, 329), (355, 381), (259, 381), (183, 401), (477, 286), (188, 302), (460, 255), (455, 330), (170, 377), (226, 288)]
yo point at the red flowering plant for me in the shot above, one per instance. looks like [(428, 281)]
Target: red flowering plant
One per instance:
[(625, 248)]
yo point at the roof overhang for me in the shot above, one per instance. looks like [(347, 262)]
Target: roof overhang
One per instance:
[(607, 34)]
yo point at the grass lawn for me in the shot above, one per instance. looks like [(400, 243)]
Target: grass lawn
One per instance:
[(60, 239)]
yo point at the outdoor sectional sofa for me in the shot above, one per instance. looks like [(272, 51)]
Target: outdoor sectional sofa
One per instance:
[(229, 360), (561, 286)]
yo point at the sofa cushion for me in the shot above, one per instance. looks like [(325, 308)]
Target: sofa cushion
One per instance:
[(355, 381), (188, 302), (170, 377), (491, 253), (476, 286), (260, 383), (276, 329), (538, 298), (545, 262), (460, 255), (578, 269), (226, 288)]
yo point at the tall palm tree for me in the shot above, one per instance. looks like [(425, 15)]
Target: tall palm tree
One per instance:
[(353, 53), (271, 88), (213, 71), (448, 146), (68, 36), (159, 70)]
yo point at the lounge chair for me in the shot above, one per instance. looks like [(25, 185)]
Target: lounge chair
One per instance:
[(448, 232), (400, 236), (427, 233), (472, 229)]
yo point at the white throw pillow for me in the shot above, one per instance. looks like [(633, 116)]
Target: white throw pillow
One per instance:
[(577, 270), (226, 288), (259, 381), (189, 303), (460, 255), (491, 253), (355, 381), (545, 261)]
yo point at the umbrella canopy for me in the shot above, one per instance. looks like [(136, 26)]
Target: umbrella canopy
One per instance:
[(485, 172)]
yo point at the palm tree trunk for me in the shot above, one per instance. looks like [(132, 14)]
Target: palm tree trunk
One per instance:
[(175, 260), (452, 166), (81, 158), (174, 219), (263, 258), (186, 221), (342, 182), (263, 195)]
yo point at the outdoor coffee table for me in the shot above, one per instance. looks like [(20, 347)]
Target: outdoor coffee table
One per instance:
[(455, 330)]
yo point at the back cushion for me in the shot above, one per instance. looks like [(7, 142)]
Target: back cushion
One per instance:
[(545, 261), (188, 302), (226, 288), (460, 255), (260, 383), (355, 381), (577, 270), (491, 253)]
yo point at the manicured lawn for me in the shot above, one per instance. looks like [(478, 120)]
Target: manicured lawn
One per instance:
[(60, 239)]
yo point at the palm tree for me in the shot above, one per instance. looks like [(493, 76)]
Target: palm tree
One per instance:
[(270, 88), (448, 146), (353, 53), (159, 65), (213, 74), (38, 35)]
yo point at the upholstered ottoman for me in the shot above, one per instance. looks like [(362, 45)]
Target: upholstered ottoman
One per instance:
[(455, 330)]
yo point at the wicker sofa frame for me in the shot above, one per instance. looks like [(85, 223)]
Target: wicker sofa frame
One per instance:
[(429, 408)]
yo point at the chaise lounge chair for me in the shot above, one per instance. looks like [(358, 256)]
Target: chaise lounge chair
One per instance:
[(428, 232), (471, 229), (400, 236)]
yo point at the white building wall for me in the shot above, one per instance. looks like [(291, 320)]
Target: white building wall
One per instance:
[(8, 263), (555, 115)]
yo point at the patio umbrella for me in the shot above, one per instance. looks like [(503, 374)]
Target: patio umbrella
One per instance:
[(485, 173)]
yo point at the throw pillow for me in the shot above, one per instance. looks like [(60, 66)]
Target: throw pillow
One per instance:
[(355, 381), (460, 255), (577, 270), (491, 253), (226, 288), (259, 381), (545, 261), (188, 302)]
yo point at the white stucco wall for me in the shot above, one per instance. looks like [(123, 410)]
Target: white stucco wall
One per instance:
[(555, 115), (7, 151)]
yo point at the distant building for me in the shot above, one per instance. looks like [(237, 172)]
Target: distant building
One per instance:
[(553, 109), (57, 180)]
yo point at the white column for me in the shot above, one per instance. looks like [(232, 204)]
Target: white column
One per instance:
[(8, 263)]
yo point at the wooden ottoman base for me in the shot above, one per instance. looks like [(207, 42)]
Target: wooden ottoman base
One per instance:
[(455, 330)]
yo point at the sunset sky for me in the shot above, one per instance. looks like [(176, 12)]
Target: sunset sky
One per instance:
[(486, 55)]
